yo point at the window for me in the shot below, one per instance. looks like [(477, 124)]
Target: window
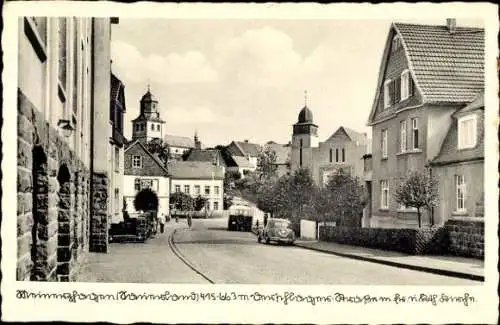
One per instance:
[(406, 85), (384, 143), (177, 188), (337, 155), (396, 90), (136, 161), (414, 133), (117, 159), (157, 127), (216, 190), (151, 184), (137, 184), (384, 194), (460, 187), (467, 132), (152, 127), (63, 52), (186, 189), (402, 137), (396, 43), (207, 190), (343, 155), (216, 205), (331, 154), (117, 200), (387, 93), (197, 189)]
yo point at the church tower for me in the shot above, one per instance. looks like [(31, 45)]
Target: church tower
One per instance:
[(304, 139), (148, 125)]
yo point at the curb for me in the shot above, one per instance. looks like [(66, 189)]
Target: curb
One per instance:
[(455, 274)]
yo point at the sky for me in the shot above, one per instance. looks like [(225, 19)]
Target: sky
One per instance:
[(241, 80)]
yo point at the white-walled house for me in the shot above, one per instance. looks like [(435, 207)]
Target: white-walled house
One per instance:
[(198, 178), (144, 170)]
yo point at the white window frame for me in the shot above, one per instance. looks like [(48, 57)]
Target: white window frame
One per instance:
[(187, 189), (461, 136), (177, 188), (385, 138), (216, 205), (197, 189), (403, 142), (216, 190), (396, 43), (134, 162), (414, 139), (405, 84), (460, 193), (207, 187), (384, 188), (387, 94)]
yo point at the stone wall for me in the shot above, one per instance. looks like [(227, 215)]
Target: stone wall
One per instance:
[(466, 237), (50, 209), (99, 214)]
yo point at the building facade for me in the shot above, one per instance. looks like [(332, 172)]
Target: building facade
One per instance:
[(283, 153), (342, 151), (63, 172), (142, 169), (459, 167), (427, 73), (245, 154), (198, 178)]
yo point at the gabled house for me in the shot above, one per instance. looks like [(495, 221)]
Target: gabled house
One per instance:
[(143, 169), (198, 178), (250, 151), (206, 155), (179, 145), (459, 166), (427, 73), (283, 152)]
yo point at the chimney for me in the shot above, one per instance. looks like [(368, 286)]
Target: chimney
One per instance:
[(451, 23)]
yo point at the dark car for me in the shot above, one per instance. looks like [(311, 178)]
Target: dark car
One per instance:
[(277, 230)]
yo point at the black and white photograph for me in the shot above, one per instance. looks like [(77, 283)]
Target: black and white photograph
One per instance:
[(246, 154)]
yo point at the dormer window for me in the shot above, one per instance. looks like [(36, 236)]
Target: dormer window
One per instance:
[(467, 132), (396, 43)]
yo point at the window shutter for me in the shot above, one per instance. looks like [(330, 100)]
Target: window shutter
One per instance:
[(397, 90), (410, 85), (391, 92)]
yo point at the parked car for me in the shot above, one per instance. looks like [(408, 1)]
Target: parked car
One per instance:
[(277, 230)]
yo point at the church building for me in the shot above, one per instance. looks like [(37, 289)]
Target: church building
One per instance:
[(342, 151)]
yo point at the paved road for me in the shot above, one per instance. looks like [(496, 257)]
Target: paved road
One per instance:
[(236, 257), (149, 262)]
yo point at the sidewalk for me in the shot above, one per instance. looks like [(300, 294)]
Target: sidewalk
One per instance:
[(461, 267)]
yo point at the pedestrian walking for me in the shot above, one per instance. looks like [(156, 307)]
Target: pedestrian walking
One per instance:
[(161, 220), (189, 220)]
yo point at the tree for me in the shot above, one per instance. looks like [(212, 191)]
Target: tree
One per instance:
[(186, 154), (146, 200), (200, 202), (161, 149), (418, 190), (299, 190), (182, 201), (342, 200), (266, 164)]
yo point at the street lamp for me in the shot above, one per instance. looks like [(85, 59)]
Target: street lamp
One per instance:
[(65, 127)]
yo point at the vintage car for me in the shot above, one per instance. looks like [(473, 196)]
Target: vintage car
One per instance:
[(276, 230)]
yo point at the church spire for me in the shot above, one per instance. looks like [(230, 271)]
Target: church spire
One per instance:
[(305, 98)]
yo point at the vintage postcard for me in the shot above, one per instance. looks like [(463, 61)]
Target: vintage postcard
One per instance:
[(250, 163)]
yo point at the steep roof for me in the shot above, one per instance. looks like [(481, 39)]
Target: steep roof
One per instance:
[(354, 136), (207, 155), (449, 152), (152, 155), (176, 141), (447, 67), (195, 170), (149, 118), (248, 148), (242, 162), (282, 152)]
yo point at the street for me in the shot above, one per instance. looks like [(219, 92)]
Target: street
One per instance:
[(236, 258)]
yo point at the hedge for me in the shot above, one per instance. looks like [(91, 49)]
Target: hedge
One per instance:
[(409, 241)]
